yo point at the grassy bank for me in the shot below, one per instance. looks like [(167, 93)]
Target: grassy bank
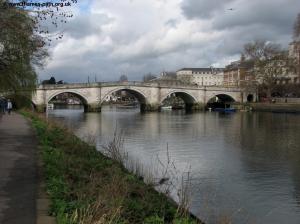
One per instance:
[(87, 187)]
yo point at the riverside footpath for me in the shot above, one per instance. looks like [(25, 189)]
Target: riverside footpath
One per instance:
[(18, 170)]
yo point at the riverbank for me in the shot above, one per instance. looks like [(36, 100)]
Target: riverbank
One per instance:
[(86, 187), (276, 107)]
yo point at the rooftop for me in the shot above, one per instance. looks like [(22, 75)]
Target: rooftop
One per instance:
[(201, 69)]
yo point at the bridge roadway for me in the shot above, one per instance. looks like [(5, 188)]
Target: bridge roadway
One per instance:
[(150, 94)]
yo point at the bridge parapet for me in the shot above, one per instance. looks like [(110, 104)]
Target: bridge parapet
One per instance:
[(141, 84)]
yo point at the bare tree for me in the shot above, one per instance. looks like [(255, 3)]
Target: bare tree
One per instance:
[(269, 63), (260, 50), (123, 78), (296, 45), (297, 28), (148, 77)]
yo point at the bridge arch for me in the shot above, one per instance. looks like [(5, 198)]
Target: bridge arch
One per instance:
[(139, 95), (187, 97), (82, 98), (223, 95), (220, 101)]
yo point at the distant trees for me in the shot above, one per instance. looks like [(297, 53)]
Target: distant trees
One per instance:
[(123, 78), (52, 81), (148, 77), (168, 75)]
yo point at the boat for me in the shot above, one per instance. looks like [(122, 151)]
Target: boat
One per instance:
[(177, 107), (226, 110), (166, 108), (128, 105)]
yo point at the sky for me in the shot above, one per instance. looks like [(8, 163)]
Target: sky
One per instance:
[(107, 38)]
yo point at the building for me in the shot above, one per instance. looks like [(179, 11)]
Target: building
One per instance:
[(238, 74), (201, 76), (294, 50), (294, 54)]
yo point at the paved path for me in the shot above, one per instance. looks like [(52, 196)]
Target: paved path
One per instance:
[(18, 172)]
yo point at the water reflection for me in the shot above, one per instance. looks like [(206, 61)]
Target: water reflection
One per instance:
[(245, 166)]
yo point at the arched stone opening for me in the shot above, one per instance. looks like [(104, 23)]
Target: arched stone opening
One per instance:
[(250, 98), (220, 101), (179, 100), (127, 98), (70, 98)]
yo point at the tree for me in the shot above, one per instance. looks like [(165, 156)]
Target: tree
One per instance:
[(296, 45), (148, 77), (123, 78), (24, 35), (168, 75), (297, 28), (269, 63), (50, 81), (21, 50)]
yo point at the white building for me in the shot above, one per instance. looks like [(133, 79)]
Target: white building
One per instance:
[(201, 76)]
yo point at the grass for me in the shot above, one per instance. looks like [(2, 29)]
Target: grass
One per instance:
[(87, 187)]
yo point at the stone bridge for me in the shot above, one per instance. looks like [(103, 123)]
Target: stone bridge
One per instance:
[(150, 95)]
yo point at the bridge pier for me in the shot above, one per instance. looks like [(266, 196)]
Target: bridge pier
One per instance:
[(41, 108), (92, 108), (149, 107), (194, 106)]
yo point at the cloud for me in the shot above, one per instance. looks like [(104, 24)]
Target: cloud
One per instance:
[(275, 14), (109, 38), (202, 8)]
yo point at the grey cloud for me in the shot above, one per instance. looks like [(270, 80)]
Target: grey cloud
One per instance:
[(202, 9), (172, 23), (222, 39), (86, 25), (273, 14)]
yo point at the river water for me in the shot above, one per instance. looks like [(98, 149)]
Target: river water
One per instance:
[(245, 167)]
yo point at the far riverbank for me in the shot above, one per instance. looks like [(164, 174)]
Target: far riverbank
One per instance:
[(276, 107)]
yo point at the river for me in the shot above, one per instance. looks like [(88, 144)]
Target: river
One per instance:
[(245, 167)]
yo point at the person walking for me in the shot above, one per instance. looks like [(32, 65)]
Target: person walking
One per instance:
[(9, 106), (2, 106)]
